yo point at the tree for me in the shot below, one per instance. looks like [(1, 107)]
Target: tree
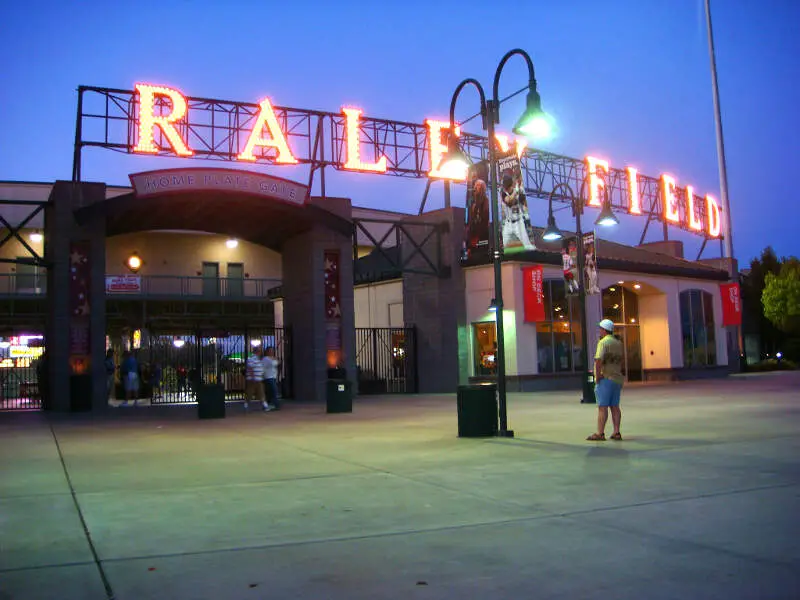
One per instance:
[(753, 282), (781, 297)]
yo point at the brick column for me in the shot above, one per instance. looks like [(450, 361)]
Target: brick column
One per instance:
[(61, 232), (304, 305), (436, 306)]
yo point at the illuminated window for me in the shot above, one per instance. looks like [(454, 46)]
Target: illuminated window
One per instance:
[(558, 337), (697, 327), (484, 337)]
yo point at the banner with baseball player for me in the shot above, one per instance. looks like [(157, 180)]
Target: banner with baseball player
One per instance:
[(569, 263), (515, 220), (590, 264), (476, 234)]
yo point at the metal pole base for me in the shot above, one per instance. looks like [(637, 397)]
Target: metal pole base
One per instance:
[(505, 433), (588, 401)]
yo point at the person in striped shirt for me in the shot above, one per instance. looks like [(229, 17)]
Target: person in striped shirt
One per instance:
[(254, 381)]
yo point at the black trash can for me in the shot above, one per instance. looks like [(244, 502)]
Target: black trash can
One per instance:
[(80, 393), (339, 396), (477, 410), (210, 401)]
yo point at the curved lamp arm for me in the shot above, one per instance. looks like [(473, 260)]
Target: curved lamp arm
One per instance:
[(460, 87), (495, 86)]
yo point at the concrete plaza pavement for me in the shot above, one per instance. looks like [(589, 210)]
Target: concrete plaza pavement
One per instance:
[(700, 500)]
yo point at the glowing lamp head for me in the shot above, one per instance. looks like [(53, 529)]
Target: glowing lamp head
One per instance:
[(606, 217), (779, 355), (454, 163), (178, 343), (552, 233), (134, 263), (534, 122), (493, 305), (232, 243), (37, 237)]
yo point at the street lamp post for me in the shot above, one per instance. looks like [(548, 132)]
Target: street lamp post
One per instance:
[(533, 122), (552, 233)]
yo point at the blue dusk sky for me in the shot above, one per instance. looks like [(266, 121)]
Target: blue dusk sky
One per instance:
[(627, 80)]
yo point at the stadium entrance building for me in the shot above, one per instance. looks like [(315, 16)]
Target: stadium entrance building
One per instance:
[(196, 266)]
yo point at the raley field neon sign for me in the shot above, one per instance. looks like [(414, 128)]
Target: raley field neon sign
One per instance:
[(266, 135)]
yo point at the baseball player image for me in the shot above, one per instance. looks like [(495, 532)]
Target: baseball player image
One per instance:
[(512, 201)]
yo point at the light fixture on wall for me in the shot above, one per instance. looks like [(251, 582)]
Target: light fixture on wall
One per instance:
[(493, 305), (232, 243), (178, 343), (637, 286), (134, 263), (255, 343), (37, 237)]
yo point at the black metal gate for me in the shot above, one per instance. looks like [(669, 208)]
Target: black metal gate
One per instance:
[(386, 360), (22, 372), (173, 366)]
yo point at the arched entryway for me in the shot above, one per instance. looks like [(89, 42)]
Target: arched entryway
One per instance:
[(621, 305)]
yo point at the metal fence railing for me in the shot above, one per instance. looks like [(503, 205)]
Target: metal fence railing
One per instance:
[(151, 286)]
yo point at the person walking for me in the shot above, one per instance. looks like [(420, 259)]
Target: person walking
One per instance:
[(111, 369), (608, 381), (254, 380), (271, 379), (129, 369)]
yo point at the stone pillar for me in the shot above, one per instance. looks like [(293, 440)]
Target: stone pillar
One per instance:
[(436, 306), (303, 267), (61, 231)]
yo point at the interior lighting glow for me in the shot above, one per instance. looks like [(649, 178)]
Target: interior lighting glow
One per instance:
[(36, 237), (634, 200), (178, 343), (712, 213), (597, 184), (255, 342), (266, 118), (354, 162), (637, 286), (134, 262), (148, 119), (670, 202), (694, 222)]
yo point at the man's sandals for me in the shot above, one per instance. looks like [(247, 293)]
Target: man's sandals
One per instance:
[(601, 437)]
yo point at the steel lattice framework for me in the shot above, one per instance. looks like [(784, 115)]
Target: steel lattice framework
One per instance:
[(219, 129)]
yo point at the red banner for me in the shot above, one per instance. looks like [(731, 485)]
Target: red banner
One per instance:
[(533, 293), (731, 304)]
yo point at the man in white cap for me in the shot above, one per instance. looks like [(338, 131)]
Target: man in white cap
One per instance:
[(608, 381)]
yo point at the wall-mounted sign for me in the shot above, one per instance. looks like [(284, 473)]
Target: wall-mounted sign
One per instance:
[(201, 179), (533, 293), (124, 284), (731, 304)]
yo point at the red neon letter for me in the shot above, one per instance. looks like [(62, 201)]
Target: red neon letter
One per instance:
[(635, 202), (712, 212), (694, 222), (148, 120), (596, 183), (353, 145), (437, 149), (670, 202), (519, 144), (266, 117)]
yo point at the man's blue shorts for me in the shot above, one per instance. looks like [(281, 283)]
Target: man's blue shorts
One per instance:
[(607, 392)]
